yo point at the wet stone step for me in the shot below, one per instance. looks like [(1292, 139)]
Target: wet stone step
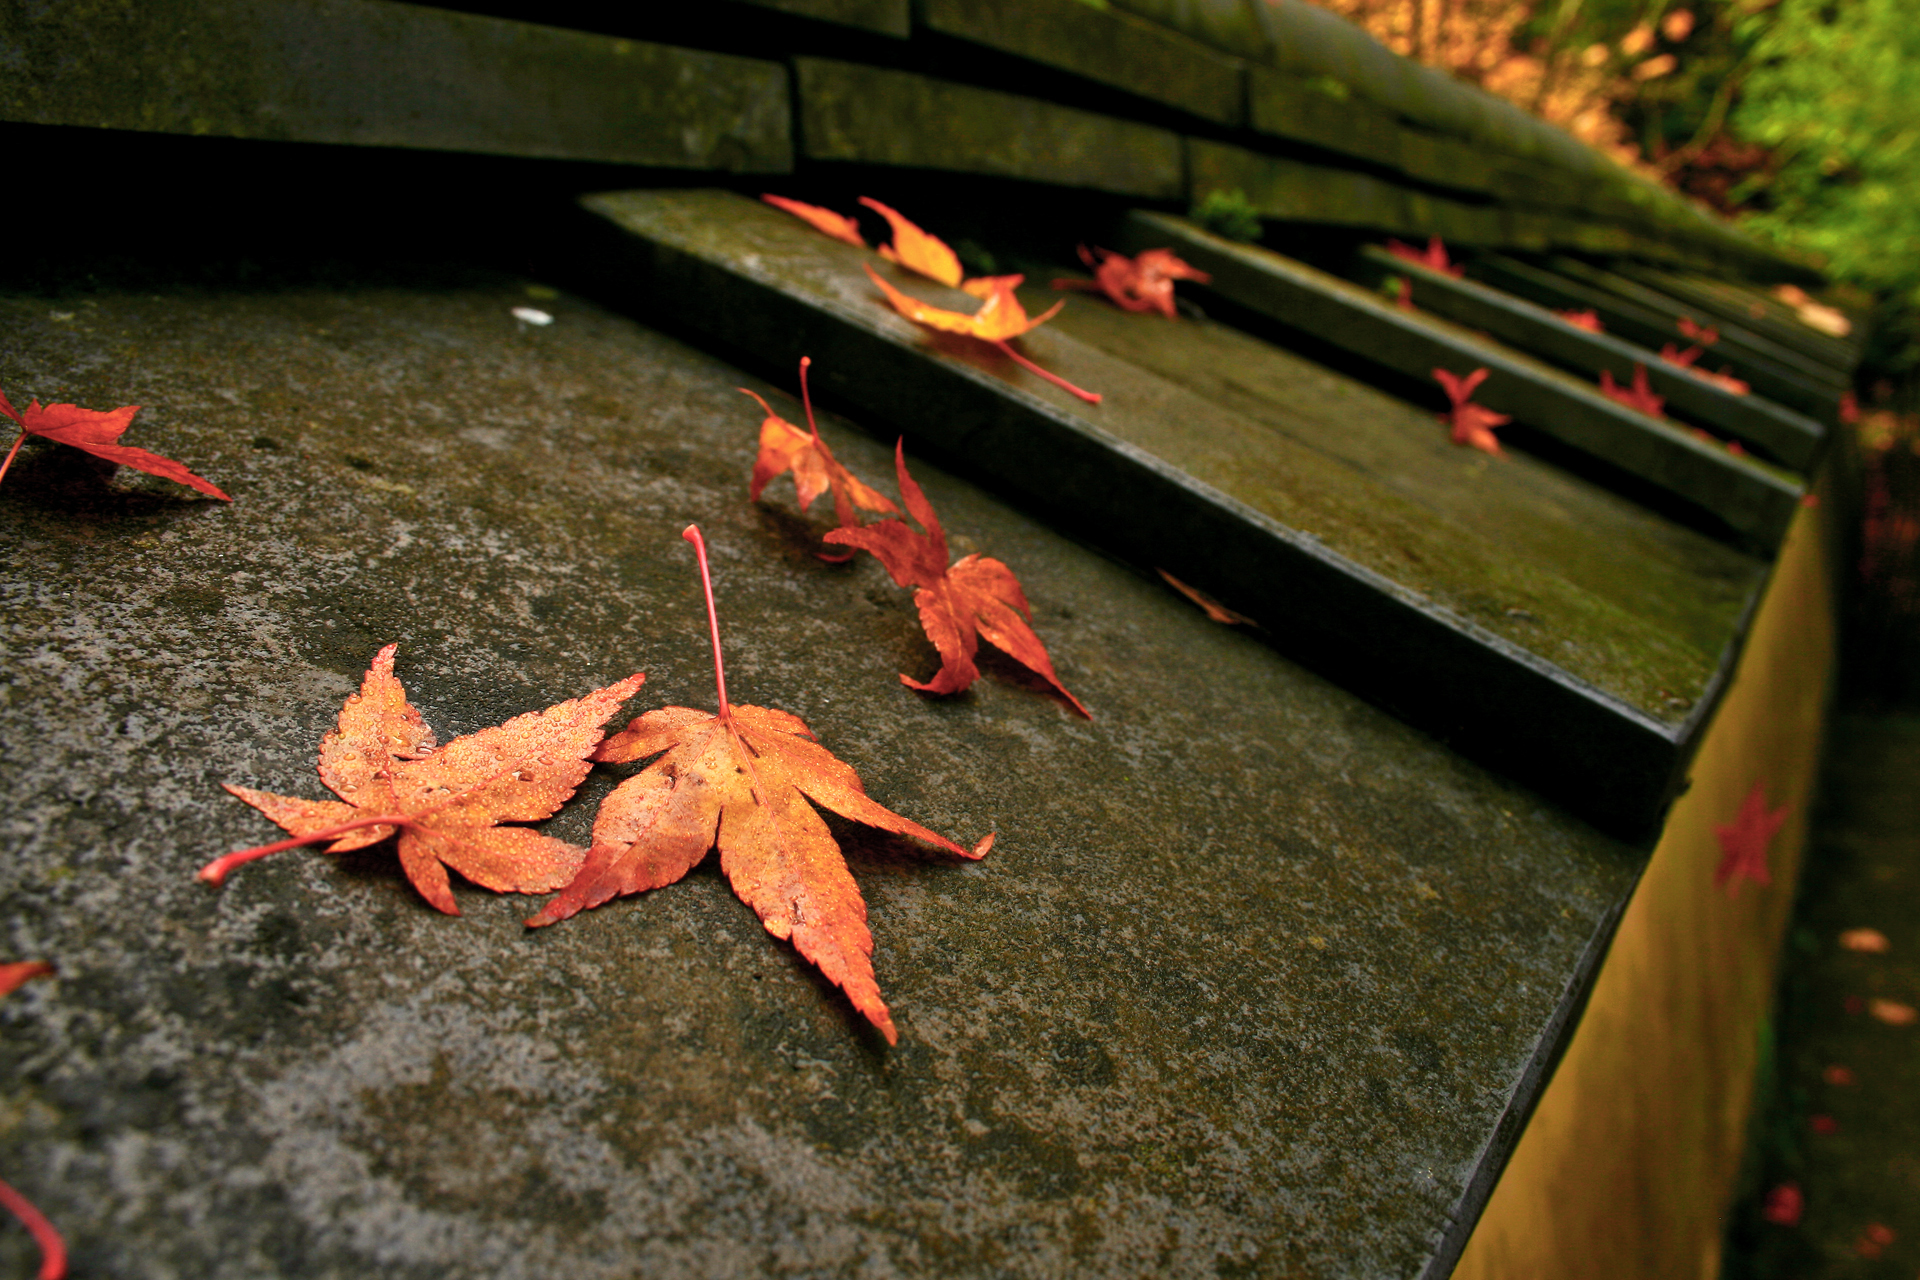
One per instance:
[(1789, 438), (1752, 502), (1785, 382), (1257, 978), (1736, 333), (1533, 619), (1727, 301)]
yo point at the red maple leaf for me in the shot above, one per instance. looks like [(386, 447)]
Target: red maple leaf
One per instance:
[(1639, 396), (446, 802), (1701, 334), (1783, 1205), (1472, 424), (1744, 841), (785, 447), (826, 221), (741, 778), (1144, 283), (95, 431), (53, 1250), (960, 604), (1433, 257)]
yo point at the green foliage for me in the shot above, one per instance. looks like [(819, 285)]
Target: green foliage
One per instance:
[(1833, 91), (1229, 214)]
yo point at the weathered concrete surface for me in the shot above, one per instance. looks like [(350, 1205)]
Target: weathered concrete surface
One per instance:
[(374, 73), (868, 115), (1244, 988)]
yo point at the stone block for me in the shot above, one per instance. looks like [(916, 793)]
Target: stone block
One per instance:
[(373, 73), (885, 17), (1107, 46), (869, 115)]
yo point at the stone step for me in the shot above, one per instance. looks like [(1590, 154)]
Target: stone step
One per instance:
[(1789, 384), (1730, 302), (1749, 500), (1788, 438), (1735, 332), (1494, 603), (1255, 973)]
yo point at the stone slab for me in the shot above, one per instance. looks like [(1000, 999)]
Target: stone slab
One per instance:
[(869, 115), (1752, 310), (1229, 509), (372, 73), (1651, 328), (1103, 45), (1749, 500), (1734, 335), (1789, 438), (1257, 978)]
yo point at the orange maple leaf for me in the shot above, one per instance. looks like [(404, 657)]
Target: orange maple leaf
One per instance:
[(837, 225), (1472, 424), (999, 318), (1744, 841), (917, 250), (741, 778), (1588, 320), (95, 431), (976, 597), (446, 803), (1434, 257), (1208, 605), (1639, 396), (53, 1250), (1144, 283), (785, 447)]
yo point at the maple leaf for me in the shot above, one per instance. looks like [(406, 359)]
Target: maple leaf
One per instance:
[(53, 1250), (1870, 940), (1588, 320), (785, 447), (1784, 1205), (95, 431), (741, 779), (1744, 841), (1893, 1013), (1702, 334), (1472, 424), (915, 249), (1144, 283), (1208, 605), (999, 318), (1639, 396), (837, 225), (1433, 257), (976, 597), (446, 802), (1403, 293)]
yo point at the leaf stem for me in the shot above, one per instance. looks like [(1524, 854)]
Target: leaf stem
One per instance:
[(216, 872), (17, 442), (1091, 397), (806, 399), (692, 534), (53, 1250)]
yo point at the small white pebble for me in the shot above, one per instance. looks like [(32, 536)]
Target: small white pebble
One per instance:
[(531, 315)]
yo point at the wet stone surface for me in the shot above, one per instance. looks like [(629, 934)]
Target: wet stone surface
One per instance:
[(1243, 989)]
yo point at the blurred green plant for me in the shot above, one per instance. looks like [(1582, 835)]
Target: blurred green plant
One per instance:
[(1229, 214), (1834, 93)]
